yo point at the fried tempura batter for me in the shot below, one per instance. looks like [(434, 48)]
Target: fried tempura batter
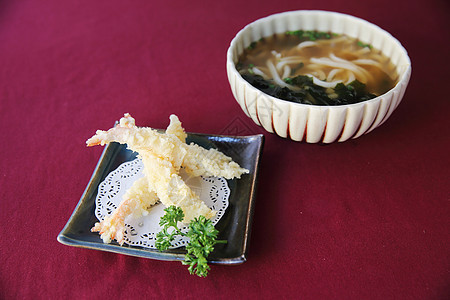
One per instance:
[(163, 154), (135, 201)]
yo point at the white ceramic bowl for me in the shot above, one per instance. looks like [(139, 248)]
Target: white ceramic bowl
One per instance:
[(312, 123)]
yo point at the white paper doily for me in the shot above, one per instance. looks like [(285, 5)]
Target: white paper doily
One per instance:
[(214, 191)]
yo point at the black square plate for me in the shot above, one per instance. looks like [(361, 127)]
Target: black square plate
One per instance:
[(234, 226)]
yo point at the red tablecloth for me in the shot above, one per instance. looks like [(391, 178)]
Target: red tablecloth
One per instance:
[(364, 219)]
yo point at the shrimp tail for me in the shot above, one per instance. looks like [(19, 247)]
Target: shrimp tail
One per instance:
[(103, 137)]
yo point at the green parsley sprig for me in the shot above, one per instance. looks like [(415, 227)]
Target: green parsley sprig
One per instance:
[(164, 238), (202, 238)]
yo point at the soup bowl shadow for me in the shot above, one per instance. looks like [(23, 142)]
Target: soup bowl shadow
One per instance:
[(314, 123)]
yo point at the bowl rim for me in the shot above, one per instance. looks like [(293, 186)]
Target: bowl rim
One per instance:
[(403, 78)]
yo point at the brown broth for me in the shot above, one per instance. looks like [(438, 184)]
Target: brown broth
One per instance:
[(378, 79)]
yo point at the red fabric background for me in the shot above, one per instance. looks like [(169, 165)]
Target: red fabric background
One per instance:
[(364, 219)]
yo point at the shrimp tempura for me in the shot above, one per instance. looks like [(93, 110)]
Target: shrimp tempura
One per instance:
[(135, 201), (163, 154), (197, 160)]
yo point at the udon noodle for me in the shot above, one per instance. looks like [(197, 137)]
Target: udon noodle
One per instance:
[(312, 68)]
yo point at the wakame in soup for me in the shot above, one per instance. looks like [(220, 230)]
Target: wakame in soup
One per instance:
[(317, 68)]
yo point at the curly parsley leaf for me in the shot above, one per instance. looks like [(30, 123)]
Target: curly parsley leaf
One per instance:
[(169, 222), (202, 238)]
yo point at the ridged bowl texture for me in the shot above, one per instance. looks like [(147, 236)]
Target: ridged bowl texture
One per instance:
[(312, 123)]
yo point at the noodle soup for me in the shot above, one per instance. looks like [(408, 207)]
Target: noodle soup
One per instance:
[(318, 68)]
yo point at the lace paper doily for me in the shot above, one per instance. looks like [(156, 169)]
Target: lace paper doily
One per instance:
[(214, 191)]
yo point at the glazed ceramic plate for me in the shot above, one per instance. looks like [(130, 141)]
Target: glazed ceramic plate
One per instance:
[(234, 226)]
